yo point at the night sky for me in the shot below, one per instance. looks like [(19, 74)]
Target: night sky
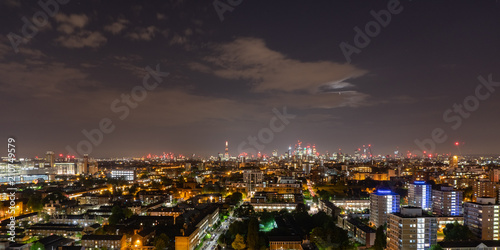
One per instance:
[(226, 77)]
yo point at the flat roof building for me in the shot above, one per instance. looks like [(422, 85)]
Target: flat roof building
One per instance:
[(419, 195), (411, 229), (382, 203), (447, 202), (483, 218)]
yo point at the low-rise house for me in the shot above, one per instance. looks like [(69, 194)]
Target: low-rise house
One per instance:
[(48, 229), (285, 242), (94, 242)]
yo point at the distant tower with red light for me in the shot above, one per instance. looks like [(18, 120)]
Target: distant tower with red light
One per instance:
[(226, 154), (454, 161)]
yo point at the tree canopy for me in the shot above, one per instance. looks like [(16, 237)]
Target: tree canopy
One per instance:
[(380, 239), (253, 234), (457, 232), (239, 242)]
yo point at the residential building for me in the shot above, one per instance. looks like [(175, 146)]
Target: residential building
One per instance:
[(94, 242), (383, 203), (285, 242), (358, 231), (411, 229), (483, 218), (484, 188), (419, 195), (470, 245), (199, 221), (352, 205), (126, 174), (329, 208), (447, 202)]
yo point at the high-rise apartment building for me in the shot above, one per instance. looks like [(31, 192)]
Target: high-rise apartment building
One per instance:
[(382, 203), (495, 175), (252, 177), (484, 188), (447, 202), (483, 218), (419, 195), (411, 229)]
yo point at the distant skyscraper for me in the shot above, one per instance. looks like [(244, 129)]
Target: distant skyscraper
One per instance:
[(226, 154), (411, 229), (51, 158), (85, 164), (382, 203), (419, 195), (447, 202), (454, 161)]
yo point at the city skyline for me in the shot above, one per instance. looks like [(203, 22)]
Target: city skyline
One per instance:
[(234, 153), (217, 75)]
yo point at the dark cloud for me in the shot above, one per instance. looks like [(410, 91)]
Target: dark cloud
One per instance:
[(226, 77)]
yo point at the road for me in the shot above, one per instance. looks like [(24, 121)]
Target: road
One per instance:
[(211, 243), (311, 190)]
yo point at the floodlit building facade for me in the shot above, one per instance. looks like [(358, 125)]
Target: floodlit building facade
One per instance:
[(419, 195), (383, 203)]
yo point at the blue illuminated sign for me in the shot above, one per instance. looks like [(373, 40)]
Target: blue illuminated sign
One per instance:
[(381, 191), (419, 182)]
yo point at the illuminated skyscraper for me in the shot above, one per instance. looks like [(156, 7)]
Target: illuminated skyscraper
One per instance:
[(226, 154), (419, 195), (275, 153), (454, 161), (382, 203)]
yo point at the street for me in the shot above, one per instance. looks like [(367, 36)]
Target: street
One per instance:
[(211, 243)]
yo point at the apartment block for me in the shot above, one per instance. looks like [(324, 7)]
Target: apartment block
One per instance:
[(483, 218), (382, 203), (411, 229), (447, 202), (419, 195)]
